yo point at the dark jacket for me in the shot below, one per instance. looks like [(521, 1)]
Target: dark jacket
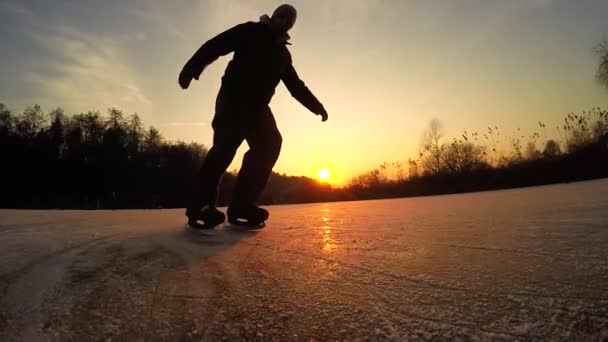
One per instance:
[(259, 63)]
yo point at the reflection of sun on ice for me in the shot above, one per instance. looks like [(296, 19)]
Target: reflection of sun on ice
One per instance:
[(323, 174), (327, 240)]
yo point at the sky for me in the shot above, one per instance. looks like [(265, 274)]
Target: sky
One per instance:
[(382, 68)]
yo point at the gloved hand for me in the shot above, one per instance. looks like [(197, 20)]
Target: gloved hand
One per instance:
[(185, 78), (323, 114)]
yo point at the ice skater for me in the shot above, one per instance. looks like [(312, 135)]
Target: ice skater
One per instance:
[(261, 59)]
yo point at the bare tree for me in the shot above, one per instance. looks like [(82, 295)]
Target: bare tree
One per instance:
[(368, 179), (31, 121), (602, 70), (532, 153), (463, 156), (135, 134), (57, 129), (6, 120), (552, 149), (153, 139), (413, 168), (432, 150), (116, 118)]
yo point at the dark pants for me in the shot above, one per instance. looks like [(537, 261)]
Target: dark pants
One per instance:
[(231, 126)]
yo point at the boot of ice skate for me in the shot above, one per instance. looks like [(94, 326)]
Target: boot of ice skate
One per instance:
[(250, 216), (206, 218)]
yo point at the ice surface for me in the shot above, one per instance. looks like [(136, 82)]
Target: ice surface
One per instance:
[(519, 264)]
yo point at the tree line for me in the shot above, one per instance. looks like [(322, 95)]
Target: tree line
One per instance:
[(94, 160), (491, 160), (91, 160)]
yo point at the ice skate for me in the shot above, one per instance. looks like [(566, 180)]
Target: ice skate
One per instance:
[(205, 218), (249, 216)]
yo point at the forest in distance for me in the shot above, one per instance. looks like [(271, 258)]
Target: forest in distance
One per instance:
[(113, 161)]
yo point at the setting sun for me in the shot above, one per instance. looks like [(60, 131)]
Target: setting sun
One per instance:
[(323, 174)]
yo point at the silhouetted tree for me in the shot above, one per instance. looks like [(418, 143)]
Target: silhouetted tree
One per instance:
[(586, 129), (91, 125), (90, 161), (369, 179), (532, 153), (551, 149), (57, 131), (413, 168), (463, 156), (115, 119), (602, 70), (135, 134), (600, 126), (31, 121), (153, 139), (74, 139), (432, 151), (394, 171), (6, 121)]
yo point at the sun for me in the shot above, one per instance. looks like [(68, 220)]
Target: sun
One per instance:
[(323, 174)]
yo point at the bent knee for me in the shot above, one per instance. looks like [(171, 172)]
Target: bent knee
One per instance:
[(278, 140), (275, 143)]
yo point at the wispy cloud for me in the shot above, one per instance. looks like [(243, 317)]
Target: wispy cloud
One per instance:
[(16, 9), (82, 69), (161, 19)]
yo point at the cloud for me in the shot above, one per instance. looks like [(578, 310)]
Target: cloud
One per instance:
[(160, 19), (80, 70), (17, 10)]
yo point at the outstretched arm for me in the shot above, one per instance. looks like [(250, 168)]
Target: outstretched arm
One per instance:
[(300, 92), (220, 45)]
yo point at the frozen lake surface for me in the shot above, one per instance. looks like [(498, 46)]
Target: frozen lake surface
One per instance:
[(518, 264)]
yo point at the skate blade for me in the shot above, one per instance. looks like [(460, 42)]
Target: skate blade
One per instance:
[(196, 225), (247, 225)]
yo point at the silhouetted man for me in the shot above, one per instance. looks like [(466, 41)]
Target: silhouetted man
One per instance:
[(261, 59)]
